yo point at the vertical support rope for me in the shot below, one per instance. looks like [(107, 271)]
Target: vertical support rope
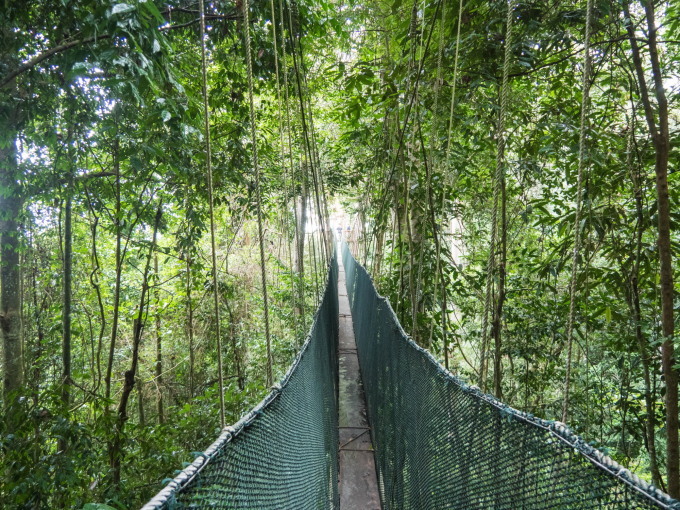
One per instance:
[(585, 96), (498, 179), (430, 169), (438, 270), (298, 227), (213, 256), (324, 197), (300, 81), (455, 79), (401, 132), (283, 152), (433, 136), (278, 82), (258, 197), (305, 124), (438, 84)]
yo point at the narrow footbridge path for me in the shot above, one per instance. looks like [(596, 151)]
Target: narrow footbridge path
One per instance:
[(358, 482), (434, 443)]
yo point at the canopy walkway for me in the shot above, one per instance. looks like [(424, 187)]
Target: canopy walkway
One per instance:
[(439, 443)]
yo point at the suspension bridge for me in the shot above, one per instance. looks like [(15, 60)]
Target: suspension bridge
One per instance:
[(422, 438)]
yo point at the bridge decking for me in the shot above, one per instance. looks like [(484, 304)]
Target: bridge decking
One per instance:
[(357, 477)]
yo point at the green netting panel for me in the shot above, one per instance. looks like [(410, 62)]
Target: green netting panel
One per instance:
[(283, 454), (443, 444)]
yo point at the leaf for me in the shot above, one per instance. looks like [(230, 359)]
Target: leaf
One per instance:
[(166, 115), (80, 68), (122, 8), (97, 506), (151, 8)]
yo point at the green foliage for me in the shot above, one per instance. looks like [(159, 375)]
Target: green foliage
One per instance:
[(103, 101), (108, 112), (425, 178)]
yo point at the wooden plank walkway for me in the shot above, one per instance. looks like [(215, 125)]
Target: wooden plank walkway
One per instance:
[(357, 477)]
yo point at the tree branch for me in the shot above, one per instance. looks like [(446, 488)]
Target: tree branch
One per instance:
[(570, 55), (77, 42), (47, 54)]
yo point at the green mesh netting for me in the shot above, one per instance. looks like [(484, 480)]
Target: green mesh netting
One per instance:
[(440, 443), (283, 454)]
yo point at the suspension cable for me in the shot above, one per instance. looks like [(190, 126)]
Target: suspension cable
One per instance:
[(211, 202), (499, 176), (585, 96), (258, 197)]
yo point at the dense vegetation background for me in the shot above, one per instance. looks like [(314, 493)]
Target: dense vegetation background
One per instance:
[(390, 108)]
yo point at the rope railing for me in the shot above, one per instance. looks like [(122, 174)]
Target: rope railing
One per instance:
[(440, 443), (283, 453)]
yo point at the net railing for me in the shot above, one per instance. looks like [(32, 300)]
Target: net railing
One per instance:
[(440, 443), (283, 453)]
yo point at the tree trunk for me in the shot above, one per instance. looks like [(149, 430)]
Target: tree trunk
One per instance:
[(11, 203), (116, 447), (140, 404), (400, 243), (660, 138), (300, 262), (190, 329), (496, 325), (67, 265), (94, 282), (666, 265), (159, 344), (119, 269), (66, 313), (240, 377), (378, 256), (645, 358), (636, 312)]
